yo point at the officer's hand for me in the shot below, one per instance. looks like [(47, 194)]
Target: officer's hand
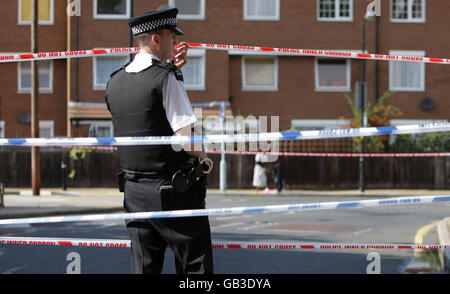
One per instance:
[(180, 54)]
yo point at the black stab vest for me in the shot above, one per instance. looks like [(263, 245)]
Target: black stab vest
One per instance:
[(135, 103)]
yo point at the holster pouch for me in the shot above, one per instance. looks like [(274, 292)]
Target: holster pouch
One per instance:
[(121, 180)]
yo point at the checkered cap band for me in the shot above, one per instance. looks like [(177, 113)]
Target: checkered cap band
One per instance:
[(153, 25)]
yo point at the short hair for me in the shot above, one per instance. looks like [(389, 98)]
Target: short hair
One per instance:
[(142, 39)]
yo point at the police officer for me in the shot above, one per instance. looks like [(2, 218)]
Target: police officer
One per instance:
[(147, 98)]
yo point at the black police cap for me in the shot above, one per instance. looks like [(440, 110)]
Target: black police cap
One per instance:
[(150, 21)]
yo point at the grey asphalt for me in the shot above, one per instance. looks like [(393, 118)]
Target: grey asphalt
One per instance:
[(20, 203)]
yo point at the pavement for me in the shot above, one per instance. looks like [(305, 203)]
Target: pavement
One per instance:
[(20, 203)]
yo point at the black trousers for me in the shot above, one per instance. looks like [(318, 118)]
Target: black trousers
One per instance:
[(188, 237)]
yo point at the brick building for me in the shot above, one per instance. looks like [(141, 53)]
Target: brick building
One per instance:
[(305, 92)]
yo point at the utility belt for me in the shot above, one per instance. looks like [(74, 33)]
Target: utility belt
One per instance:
[(182, 179)]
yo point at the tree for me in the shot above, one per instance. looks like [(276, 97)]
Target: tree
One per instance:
[(379, 115)]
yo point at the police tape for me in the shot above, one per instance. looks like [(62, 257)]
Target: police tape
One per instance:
[(230, 210), (105, 243), (231, 138), (238, 48), (66, 54), (310, 154), (320, 53), (300, 154)]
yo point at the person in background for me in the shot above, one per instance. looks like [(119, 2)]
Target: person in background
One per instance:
[(260, 174), (277, 175)]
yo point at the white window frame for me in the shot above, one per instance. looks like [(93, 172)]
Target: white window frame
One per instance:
[(337, 18), (103, 124), (198, 53), (41, 22), (409, 19), (248, 88), (347, 88), (47, 124), (112, 16), (407, 53), (262, 18), (95, 85), (200, 16), (2, 129), (21, 90)]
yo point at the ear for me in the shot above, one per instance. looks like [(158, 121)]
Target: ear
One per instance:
[(155, 38)]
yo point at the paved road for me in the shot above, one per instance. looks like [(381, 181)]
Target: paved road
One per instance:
[(394, 224)]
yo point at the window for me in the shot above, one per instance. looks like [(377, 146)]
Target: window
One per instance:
[(46, 129), (259, 73), (194, 70), (261, 9), (405, 75), (407, 10), (2, 129), (104, 66), (45, 77), (189, 9), (45, 8), (111, 9), (333, 75), (335, 10), (101, 130)]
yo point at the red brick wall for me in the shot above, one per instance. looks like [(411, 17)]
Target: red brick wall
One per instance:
[(17, 38)]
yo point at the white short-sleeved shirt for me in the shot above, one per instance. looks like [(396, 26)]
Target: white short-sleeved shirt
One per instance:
[(176, 102)]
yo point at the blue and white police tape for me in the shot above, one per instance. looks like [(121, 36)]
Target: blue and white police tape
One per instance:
[(230, 211), (228, 138)]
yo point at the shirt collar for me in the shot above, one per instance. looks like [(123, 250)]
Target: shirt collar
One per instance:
[(141, 61)]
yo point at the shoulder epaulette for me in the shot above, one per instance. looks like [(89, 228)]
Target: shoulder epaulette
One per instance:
[(172, 67)]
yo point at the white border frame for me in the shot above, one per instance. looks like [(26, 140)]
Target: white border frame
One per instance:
[(200, 16), (277, 17), (249, 88), (337, 18), (422, 65), (24, 22), (21, 90), (47, 124), (95, 85), (112, 16), (409, 19), (2, 129), (318, 88), (198, 53)]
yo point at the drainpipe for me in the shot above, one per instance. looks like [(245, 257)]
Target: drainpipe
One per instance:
[(377, 65)]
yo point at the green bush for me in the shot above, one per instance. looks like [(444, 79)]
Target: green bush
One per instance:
[(422, 143)]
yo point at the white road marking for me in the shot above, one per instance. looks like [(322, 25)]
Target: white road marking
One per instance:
[(363, 231)]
